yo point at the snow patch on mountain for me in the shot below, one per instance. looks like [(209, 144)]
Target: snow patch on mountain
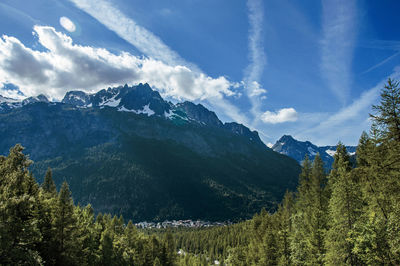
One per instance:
[(331, 152), (312, 151), (146, 110), (111, 102), (123, 109), (169, 114)]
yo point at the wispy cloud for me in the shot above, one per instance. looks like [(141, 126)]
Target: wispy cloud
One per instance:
[(257, 56), (144, 40), (152, 46), (337, 44), (349, 120), (381, 63), (381, 44)]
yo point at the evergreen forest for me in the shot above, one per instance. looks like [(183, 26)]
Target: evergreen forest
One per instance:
[(349, 216)]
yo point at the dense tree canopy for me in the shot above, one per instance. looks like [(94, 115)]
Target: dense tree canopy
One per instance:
[(350, 216)]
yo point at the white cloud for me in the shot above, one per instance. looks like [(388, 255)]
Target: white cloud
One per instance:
[(65, 66), (129, 30), (180, 72), (283, 115), (67, 24), (256, 89), (257, 55), (339, 35)]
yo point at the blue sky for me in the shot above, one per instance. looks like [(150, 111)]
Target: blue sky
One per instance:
[(311, 69)]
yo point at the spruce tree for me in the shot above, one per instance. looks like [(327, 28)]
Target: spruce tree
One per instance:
[(64, 226), (379, 170), (284, 215), (19, 233), (345, 206), (298, 240), (318, 212), (48, 199), (48, 184)]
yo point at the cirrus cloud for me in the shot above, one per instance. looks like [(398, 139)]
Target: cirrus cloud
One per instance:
[(281, 116), (65, 66)]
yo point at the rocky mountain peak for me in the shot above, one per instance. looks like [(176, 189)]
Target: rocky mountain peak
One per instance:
[(299, 149), (199, 113), (35, 99)]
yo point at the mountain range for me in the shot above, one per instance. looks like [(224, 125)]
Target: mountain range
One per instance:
[(299, 149), (126, 150)]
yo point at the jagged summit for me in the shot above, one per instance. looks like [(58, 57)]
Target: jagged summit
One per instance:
[(125, 150), (198, 112), (142, 100), (299, 149)]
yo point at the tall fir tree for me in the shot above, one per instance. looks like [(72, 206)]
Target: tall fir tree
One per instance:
[(48, 184), (19, 199), (345, 206), (284, 215), (48, 199), (379, 168), (318, 212), (298, 239), (64, 226), (310, 217)]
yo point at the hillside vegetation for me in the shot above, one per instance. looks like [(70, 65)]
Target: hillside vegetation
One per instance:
[(350, 216)]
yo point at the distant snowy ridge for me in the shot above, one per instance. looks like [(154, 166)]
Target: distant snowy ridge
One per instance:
[(299, 149)]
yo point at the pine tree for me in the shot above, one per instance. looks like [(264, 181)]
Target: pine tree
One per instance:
[(86, 242), (284, 214), (298, 239), (379, 168), (48, 184), (345, 206), (19, 234), (106, 247), (48, 199), (318, 211), (387, 114), (64, 224)]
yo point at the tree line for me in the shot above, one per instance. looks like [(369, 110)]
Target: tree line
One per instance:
[(41, 226), (349, 216)]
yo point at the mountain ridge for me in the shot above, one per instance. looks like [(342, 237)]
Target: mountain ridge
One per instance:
[(135, 154), (299, 149), (139, 99)]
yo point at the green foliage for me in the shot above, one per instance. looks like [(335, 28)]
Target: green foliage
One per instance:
[(350, 217), (345, 209), (39, 226), (19, 206)]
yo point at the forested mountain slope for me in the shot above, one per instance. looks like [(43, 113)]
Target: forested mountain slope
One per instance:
[(127, 151)]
